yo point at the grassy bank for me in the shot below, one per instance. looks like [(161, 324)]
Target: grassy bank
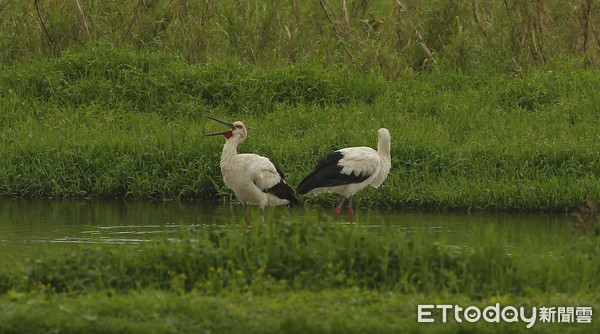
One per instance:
[(107, 123), (291, 275), (328, 311), (491, 105), (289, 254)]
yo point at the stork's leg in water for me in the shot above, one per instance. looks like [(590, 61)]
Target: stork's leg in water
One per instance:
[(338, 208), (245, 215), (350, 212)]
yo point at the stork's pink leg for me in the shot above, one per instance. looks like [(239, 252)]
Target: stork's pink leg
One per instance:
[(338, 208), (350, 212), (245, 216)]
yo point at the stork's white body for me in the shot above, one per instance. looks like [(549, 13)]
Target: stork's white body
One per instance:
[(349, 170), (250, 176), (357, 161), (253, 178)]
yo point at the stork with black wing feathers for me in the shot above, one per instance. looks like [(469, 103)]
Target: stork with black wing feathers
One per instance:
[(349, 170)]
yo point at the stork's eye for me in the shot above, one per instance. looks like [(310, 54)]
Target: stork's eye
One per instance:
[(238, 126)]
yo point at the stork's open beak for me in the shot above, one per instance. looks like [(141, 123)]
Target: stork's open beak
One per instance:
[(227, 134)]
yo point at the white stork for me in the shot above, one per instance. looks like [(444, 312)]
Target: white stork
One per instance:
[(349, 170), (253, 178)]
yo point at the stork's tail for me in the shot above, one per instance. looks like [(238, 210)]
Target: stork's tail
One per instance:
[(284, 191)]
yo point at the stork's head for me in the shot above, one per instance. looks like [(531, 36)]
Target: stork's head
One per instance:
[(383, 134), (238, 130)]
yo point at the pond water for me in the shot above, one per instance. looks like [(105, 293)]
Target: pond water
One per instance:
[(34, 228)]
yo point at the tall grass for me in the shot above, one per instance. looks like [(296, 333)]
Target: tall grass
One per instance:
[(393, 38)]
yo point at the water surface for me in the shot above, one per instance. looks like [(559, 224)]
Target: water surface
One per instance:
[(35, 228)]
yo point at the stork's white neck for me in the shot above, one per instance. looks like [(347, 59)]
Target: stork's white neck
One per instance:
[(229, 149), (383, 147)]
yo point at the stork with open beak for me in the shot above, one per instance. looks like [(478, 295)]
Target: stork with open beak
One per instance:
[(253, 178), (349, 170)]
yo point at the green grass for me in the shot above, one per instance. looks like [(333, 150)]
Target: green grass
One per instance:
[(291, 275), (108, 123), (292, 254), (391, 38), (328, 311)]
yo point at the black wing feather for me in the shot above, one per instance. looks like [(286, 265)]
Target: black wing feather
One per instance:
[(279, 171), (327, 173), (282, 189)]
